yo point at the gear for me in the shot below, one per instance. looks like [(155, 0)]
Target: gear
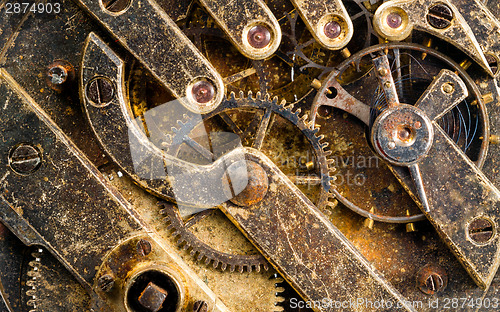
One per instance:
[(414, 68), (310, 170), (287, 297), (49, 286)]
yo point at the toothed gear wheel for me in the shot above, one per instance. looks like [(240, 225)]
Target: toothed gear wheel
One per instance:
[(288, 127), (49, 287)]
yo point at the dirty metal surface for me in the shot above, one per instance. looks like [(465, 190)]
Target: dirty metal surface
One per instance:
[(47, 57)]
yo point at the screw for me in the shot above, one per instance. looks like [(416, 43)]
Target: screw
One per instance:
[(100, 91), (448, 88), (203, 91), (432, 279), (153, 297), (383, 72), (106, 282), (492, 62), (143, 247), (259, 36), (440, 16), (246, 183), (116, 6), (481, 230), (391, 145), (200, 306), (58, 74), (24, 159), (418, 125), (332, 29), (394, 20)]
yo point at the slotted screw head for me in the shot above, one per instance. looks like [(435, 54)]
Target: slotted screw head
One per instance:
[(259, 36), (432, 279), (116, 6), (332, 29), (440, 16), (24, 159), (100, 91), (144, 247), (480, 230), (200, 306), (106, 282)]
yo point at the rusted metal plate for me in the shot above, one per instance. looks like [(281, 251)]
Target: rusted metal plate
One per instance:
[(162, 48), (250, 25), (38, 200), (458, 193), (466, 24), (312, 254)]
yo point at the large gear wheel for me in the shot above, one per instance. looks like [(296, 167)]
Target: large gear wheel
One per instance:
[(310, 170), (413, 67)]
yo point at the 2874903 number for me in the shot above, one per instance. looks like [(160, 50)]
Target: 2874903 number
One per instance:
[(36, 8)]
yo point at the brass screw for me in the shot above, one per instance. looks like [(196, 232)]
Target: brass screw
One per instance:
[(143, 247), (383, 72), (480, 230), (448, 88), (100, 91), (440, 16)]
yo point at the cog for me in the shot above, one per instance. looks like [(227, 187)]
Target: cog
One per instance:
[(252, 119), (49, 286), (414, 68)]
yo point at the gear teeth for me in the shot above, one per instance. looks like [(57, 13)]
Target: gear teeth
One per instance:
[(275, 100), (267, 97), (242, 95), (258, 96), (250, 95), (232, 96), (34, 273), (223, 267)]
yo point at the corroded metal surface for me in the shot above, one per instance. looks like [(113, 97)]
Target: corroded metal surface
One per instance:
[(412, 257), (295, 223), (162, 48), (239, 19)]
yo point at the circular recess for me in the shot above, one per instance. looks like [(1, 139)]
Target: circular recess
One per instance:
[(202, 95), (334, 32), (392, 23), (153, 290), (481, 230)]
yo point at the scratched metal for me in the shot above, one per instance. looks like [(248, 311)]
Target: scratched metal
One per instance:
[(161, 47), (310, 253)]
